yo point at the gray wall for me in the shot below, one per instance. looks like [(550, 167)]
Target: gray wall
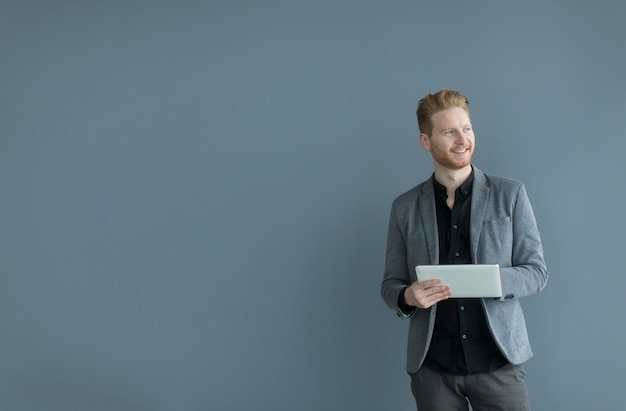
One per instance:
[(194, 195)]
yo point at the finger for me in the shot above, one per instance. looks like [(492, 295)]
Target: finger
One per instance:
[(430, 296), (431, 283), (437, 294), (436, 289), (422, 285), (429, 301)]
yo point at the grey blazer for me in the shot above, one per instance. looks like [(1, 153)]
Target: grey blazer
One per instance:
[(503, 231)]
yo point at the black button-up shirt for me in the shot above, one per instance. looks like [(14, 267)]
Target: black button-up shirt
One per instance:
[(461, 343)]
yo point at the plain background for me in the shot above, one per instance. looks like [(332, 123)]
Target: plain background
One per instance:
[(194, 196)]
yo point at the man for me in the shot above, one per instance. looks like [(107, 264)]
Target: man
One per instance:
[(462, 351)]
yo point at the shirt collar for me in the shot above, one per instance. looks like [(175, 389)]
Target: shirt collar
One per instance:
[(465, 188)]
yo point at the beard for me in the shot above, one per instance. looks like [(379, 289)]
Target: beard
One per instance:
[(448, 160)]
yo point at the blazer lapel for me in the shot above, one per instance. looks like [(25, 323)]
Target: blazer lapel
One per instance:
[(428, 213), (480, 198)]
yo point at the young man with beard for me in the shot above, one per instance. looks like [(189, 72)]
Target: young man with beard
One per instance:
[(462, 351)]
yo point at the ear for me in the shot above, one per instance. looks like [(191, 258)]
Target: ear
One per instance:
[(425, 141)]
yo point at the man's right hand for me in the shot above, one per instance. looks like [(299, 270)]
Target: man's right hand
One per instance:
[(427, 293)]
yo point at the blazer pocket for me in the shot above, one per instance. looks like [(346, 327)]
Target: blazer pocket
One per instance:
[(501, 220), (496, 238)]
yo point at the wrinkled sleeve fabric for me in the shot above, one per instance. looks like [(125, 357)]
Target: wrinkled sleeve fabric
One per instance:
[(527, 274), (396, 277)]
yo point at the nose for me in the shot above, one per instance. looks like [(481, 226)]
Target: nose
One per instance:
[(460, 137)]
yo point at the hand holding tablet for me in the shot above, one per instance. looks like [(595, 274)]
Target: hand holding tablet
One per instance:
[(465, 280)]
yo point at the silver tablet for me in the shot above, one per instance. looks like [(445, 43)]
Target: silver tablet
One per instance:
[(465, 280)]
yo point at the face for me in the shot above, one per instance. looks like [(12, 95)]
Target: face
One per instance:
[(451, 142)]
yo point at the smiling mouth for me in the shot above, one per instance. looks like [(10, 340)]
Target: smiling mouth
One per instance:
[(461, 151)]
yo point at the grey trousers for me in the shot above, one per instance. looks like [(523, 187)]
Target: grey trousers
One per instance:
[(501, 390)]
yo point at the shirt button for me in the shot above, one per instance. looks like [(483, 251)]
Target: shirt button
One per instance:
[(462, 308), (457, 254), (455, 226), (464, 337)]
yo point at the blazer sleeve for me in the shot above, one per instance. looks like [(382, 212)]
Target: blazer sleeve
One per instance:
[(396, 276), (528, 273)]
